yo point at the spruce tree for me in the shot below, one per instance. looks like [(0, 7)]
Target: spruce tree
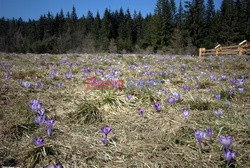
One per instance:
[(210, 34), (225, 35), (195, 22)]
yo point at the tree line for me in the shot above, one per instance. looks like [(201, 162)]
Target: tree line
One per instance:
[(171, 28)]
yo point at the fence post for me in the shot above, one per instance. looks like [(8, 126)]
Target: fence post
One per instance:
[(217, 49), (243, 47), (202, 52)]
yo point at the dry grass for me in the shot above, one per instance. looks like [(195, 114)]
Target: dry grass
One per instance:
[(159, 139)]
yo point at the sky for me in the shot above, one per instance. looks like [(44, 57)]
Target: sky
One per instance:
[(33, 9)]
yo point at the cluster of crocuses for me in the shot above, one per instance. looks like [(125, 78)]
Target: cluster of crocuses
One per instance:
[(239, 83), (8, 76), (69, 75), (200, 135), (176, 96), (86, 71), (53, 73), (225, 141), (106, 130), (40, 119)]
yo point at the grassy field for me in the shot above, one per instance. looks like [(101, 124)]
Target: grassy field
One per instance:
[(158, 138)]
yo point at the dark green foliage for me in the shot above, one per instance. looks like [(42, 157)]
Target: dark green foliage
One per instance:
[(180, 30)]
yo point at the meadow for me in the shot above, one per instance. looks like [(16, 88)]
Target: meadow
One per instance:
[(199, 117)]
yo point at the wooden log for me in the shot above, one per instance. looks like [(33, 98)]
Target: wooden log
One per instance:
[(211, 50), (230, 47), (210, 54), (229, 52), (218, 46), (243, 42)]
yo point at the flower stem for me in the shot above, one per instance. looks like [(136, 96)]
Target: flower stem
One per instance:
[(200, 148)]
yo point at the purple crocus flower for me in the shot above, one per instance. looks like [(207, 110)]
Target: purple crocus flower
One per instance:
[(26, 84), (35, 101), (228, 155), (63, 61), (166, 91), (157, 106), (39, 141), (199, 135), (129, 96), (9, 74), (239, 82), (70, 64), (226, 141), (87, 70), (104, 140), (217, 96), (213, 77), (228, 104), (69, 75), (96, 71), (223, 76), (50, 123), (183, 68), (177, 95), (53, 166), (84, 75), (35, 105), (39, 85), (42, 63), (171, 100), (106, 130), (5, 86), (197, 86), (231, 93), (51, 74), (186, 88), (60, 84), (210, 133), (240, 90), (219, 112), (141, 111), (185, 113), (49, 131), (58, 165), (40, 119), (40, 111)]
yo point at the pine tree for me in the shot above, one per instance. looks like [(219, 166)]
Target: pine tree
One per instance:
[(210, 34), (96, 30), (225, 35), (177, 42), (106, 30), (195, 22), (180, 14), (238, 22), (173, 11), (73, 15), (210, 11), (166, 24)]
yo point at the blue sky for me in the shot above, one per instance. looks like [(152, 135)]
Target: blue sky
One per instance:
[(34, 8)]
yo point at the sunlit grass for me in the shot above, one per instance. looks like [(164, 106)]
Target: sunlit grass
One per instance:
[(158, 139)]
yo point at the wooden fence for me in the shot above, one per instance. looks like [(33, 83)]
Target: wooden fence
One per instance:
[(242, 49)]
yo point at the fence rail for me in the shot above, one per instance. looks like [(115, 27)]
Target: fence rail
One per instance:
[(242, 48)]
